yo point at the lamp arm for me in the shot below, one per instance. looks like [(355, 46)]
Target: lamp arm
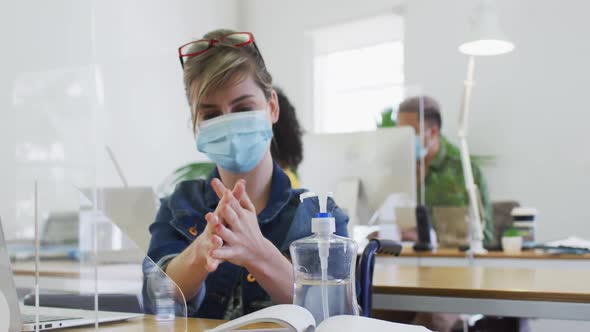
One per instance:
[(476, 238)]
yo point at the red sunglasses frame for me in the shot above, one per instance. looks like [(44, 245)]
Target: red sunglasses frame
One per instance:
[(213, 41)]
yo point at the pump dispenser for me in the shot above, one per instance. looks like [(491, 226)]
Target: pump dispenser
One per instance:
[(324, 267)]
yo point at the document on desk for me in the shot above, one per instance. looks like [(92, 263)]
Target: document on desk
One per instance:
[(299, 319), (266, 330), (572, 242)]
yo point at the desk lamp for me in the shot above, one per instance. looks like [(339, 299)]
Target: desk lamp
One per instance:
[(486, 39)]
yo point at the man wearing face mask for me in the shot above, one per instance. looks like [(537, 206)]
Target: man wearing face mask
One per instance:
[(445, 185)]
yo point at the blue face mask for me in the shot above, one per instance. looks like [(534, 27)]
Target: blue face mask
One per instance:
[(421, 151), (236, 142)]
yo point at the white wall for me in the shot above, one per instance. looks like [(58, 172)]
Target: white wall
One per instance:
[(136, 44), (6, 130), (281, 36), (148, 115), (528, 107)]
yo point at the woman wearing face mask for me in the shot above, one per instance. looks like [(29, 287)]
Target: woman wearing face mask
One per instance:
[(223, 240)]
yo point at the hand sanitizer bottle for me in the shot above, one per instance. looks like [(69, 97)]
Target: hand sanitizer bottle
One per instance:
[(324, 268)]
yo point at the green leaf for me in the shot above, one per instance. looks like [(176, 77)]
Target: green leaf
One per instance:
[(386, 120), (192, 171), (512, 232)]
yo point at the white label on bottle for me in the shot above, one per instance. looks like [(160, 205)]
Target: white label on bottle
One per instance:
[(4, 314)]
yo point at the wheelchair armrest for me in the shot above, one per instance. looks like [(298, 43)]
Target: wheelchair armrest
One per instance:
[(389, 247), (365, 269)]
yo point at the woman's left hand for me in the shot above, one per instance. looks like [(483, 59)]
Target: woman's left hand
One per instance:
[(244, 244)]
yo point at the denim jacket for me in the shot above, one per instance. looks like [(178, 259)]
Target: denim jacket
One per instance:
[(181, 219)]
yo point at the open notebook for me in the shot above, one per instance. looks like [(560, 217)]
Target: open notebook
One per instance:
[(297, 319)]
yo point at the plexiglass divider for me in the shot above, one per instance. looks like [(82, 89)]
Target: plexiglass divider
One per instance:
[(128, 281), (64, 240), (383, 196)]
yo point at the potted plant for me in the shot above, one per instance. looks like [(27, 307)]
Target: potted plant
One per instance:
[(512, 241), (192, 171)]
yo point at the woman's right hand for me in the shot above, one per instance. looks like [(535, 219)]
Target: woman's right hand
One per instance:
[(206, 243)]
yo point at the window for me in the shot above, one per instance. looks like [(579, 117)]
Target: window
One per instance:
[(358, 72)]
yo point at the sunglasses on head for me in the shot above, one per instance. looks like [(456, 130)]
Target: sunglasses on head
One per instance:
[(198, 47)]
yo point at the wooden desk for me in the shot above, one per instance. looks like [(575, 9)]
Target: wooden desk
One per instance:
[(75, 269), (72, 276), (149, 324), (507, 291), (538, 293), (526, 259)]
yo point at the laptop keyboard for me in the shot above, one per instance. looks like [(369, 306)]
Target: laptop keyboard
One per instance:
[(28, 319)]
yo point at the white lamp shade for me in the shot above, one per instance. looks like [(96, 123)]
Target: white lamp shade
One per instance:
[(486, 37)]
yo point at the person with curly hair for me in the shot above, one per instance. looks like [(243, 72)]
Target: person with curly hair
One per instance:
[(286, 147)]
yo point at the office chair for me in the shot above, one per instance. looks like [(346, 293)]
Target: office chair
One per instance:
[(366, 267)]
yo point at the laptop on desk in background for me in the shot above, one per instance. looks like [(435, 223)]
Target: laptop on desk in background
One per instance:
[(59, 239), (131, 209), (14, 317), (451, 225)]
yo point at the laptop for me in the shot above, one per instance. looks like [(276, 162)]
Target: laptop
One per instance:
[(15, 317), (451, 225)]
